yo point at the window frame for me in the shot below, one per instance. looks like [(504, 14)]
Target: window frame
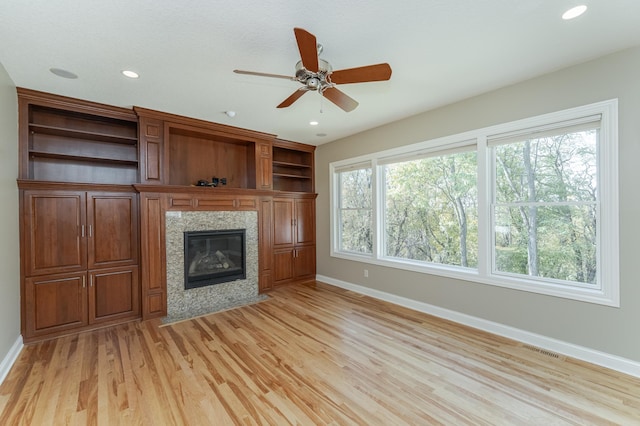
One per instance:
[(608, 290), (339, 208)]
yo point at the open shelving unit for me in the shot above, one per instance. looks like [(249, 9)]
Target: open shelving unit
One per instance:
[(293, 167), (66, 145)]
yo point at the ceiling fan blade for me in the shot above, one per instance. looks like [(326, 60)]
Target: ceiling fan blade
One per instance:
[(340, 98), (294, 97), (308, 49), (379, 72), (264, 74)]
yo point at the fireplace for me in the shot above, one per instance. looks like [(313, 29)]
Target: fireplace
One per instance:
[(213, 257), (188, 303)]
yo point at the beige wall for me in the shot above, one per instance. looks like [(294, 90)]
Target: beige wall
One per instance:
[(607, 329), (9, 239)]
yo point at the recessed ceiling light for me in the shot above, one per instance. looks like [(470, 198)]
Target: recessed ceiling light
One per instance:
[(313, 123), (130, 74), (63, 73), (574, 12), (321, 135)]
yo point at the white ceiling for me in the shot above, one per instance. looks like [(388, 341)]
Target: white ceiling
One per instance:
[(185, 51)]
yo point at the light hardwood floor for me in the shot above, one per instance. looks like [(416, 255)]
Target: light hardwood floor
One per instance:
[(310, 355)]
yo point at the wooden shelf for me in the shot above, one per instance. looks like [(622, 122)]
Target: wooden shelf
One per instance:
[(81, 134), (76, 158), (287, 164), (287, 175)]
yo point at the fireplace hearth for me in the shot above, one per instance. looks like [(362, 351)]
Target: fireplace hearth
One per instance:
[(213, 257)]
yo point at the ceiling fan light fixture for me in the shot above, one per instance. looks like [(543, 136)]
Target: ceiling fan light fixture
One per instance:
[(313, 83)]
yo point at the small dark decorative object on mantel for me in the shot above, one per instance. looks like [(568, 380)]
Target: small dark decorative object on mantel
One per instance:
[(214, 182)]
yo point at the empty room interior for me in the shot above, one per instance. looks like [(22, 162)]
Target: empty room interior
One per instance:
[(363, 213)]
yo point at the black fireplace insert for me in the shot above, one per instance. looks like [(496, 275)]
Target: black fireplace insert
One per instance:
[(214, 257)]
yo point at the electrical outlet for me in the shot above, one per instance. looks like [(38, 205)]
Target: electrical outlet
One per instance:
[(366, 273)]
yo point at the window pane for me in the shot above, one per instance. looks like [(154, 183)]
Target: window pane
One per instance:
[(559, 168), (355, 189), (355, 231), (431, 210), (556, 242), (355, 217)]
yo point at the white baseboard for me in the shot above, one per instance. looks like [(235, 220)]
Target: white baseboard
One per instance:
[(603, 359), (10, 358)]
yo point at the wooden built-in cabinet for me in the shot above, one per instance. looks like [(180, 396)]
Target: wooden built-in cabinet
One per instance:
[(80, 257), (79, 214), (95, 183), (294, 255)]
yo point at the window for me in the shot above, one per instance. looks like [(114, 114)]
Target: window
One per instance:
[(354, 210), (530, 205), (430, 209), (545, 207)]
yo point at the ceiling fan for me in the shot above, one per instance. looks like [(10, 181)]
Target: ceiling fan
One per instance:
[(316, 74)]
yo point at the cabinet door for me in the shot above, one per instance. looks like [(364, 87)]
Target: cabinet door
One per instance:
[(265, 253), (304, 262), (55, 303), (283, 222), (112, 229), (113, 294), (151, 150), (305, 213), (54, 232), (263, 166), (153, 259), (282, 266)]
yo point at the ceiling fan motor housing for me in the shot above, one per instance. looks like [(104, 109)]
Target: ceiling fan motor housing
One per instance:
[(314, 80)]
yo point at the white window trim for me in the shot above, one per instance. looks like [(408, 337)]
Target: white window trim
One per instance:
[(609, 279), (334, 202)]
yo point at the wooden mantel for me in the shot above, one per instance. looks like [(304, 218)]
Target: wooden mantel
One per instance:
[(204, 191)]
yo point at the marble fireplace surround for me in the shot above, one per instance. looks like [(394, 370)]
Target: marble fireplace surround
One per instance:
[(183, 304)]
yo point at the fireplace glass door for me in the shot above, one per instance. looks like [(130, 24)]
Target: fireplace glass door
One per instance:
[(213, 257)]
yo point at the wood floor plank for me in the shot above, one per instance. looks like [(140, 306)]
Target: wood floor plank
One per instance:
[(309, 355)]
